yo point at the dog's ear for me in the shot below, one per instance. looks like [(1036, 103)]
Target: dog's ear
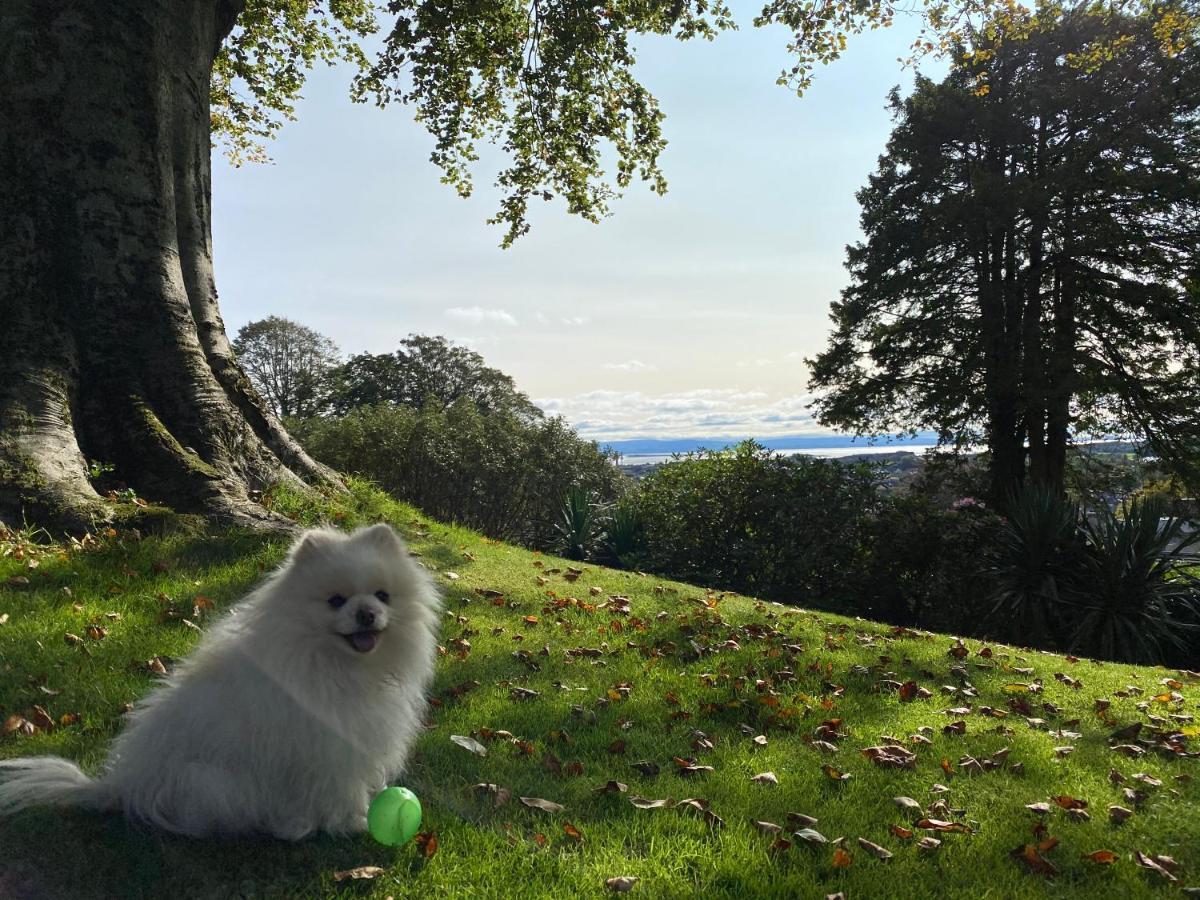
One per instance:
[(382, 535), (315, 544)]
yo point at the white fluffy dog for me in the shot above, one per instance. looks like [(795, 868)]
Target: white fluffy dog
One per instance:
[(291, 713)]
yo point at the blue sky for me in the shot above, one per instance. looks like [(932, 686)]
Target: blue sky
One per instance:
[(679, 315)]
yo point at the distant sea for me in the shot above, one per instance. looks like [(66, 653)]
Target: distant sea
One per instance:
[(649, 451)]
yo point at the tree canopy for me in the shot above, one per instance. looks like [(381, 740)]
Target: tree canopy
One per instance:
[(427, 369), (288, 363), (552, 83), (1032, 252)]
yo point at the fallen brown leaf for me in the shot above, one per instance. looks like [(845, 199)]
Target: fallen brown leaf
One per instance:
[(891, 756), (499, 795), (1068, 802), (1154, 864), (941, 825), (426, 843), (874, 849), (548, 806), (1037, 863)]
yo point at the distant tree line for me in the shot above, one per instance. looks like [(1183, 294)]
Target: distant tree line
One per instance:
[(431, 423)]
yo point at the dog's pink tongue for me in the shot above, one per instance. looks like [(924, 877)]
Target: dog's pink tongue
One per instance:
[(364, 641)]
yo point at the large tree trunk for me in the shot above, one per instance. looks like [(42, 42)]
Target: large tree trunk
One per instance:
[(111, 344), (1002, 384), (1062, 369)]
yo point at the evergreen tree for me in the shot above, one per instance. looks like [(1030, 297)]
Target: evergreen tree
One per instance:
[(1032, 252)]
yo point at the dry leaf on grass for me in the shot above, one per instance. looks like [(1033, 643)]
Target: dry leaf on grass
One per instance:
[(874, 849), (358, 873), (940, 825), (499, 795), (646, 803), (1160, 864), (548, 806), (426, 843), (810, 836), (622, 884), (468, 743)]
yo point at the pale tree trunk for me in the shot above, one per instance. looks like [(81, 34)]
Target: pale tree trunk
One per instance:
[(111, 344)]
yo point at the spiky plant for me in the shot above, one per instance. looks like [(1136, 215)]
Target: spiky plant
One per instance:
[(578, 527), (623, 531), (1135, 600), (1036, 550)]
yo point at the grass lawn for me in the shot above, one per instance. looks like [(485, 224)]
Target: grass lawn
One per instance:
[(598, 703)]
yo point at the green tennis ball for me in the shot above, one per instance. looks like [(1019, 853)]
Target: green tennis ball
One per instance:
[(394, 816)]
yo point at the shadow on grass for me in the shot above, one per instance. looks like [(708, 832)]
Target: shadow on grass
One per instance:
[(52, 854)]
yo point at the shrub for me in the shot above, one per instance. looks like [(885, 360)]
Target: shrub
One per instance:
[(748, 519), (578, 526), (497, 472), (1037, 552), (1134, 599), (1116, 587), (623, 534), (924, 562)]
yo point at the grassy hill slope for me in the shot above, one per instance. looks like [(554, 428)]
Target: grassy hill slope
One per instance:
[(608, 692)]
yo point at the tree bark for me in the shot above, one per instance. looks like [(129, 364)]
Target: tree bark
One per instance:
[(112, 347), (1062, 368)]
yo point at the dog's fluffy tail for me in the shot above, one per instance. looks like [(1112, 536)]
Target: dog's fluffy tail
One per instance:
[(49, 781)]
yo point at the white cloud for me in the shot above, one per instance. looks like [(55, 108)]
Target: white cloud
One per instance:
[(576, 320), (710, 412), (632, 365), (477, 315)]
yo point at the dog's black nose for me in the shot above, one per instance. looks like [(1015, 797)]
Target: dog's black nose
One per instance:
[(365, 618)]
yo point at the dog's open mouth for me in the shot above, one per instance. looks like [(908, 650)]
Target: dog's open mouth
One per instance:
[(363, 641)]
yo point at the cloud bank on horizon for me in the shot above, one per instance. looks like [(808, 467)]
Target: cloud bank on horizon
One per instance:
[(608, 415)]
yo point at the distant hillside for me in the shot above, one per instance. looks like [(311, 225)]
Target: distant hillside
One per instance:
[(896, 468)]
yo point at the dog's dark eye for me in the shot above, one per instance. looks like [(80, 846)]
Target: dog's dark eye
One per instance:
[(382, 596), (337, 601)]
